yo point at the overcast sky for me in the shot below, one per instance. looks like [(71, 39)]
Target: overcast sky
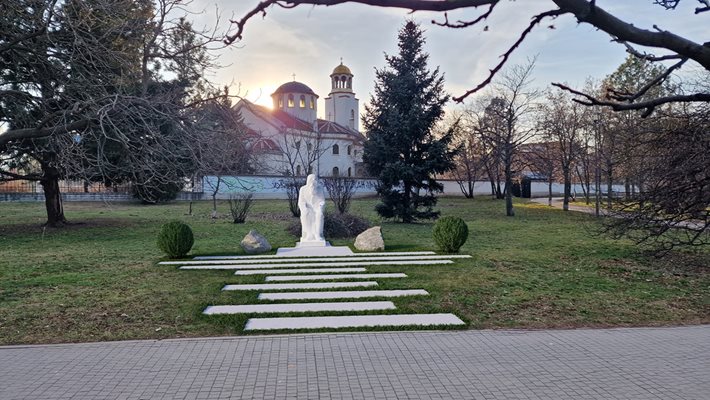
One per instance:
[(309, 42)]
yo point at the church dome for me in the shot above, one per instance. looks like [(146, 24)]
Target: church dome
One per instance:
[(294, 87), (341, 70)]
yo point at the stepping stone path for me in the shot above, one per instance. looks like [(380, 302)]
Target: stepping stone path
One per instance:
[(354, 321), (296, 271), (279, 278), (298, 286), (344, 294), (300, 307), (337, 264)]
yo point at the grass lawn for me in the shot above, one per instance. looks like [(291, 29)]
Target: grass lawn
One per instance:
[(98, 279)]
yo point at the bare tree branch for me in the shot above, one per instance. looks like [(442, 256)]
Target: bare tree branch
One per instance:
[(648, 105), (583, 10), (536, 20)]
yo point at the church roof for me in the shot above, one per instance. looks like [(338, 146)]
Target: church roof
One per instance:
[(294, 87), (341, 70), (282, 120)]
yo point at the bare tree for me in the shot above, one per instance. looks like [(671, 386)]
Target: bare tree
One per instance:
[(543, 158), (674, 208), (562, 122), (300, 156), (224, 149), (83, 95), (679, 49), (340, 190), (507, 122), (468, 161)]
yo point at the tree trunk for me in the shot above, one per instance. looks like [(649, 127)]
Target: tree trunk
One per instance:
[(609, 186), (509, 192), (52, 196), (407, 216), (627, 188), (549, 191), (214, 197), (568, 188)]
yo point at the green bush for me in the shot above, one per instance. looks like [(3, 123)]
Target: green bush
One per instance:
[(175, 239), (450, 233)]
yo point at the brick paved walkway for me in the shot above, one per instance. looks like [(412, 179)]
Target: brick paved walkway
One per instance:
[(644, 363)]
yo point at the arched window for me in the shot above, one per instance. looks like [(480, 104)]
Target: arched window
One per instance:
[(298, 145), (309, 146), (336, 149), (355, 153), (281, 102), (310, 169), (313, 103), (350, 83), (350, 149), (298, 170), (336, 171), (350, 172), (290, 100), (302, 102)]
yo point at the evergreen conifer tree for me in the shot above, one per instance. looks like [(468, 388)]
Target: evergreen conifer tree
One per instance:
[(402, 151)]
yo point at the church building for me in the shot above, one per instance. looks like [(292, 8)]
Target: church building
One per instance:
[(290, 139)]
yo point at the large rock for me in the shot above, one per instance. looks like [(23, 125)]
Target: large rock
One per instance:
[(370, 240), (255, 243)]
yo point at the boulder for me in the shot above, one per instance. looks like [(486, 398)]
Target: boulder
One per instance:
[(370, 240), (255, 243)]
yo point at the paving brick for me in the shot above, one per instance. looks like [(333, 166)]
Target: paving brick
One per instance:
[(627, 363)]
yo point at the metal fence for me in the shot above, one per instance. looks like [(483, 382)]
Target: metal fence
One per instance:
[(23, 186)]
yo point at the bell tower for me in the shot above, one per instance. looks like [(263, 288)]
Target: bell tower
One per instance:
[(341, 106)]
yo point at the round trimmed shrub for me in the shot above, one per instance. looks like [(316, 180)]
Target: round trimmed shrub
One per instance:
[(175, 239), (450, 233)]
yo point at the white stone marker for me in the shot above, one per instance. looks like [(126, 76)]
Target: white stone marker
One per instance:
[(300, 307), (296, 271), (352, 321), (299, 286), (271, 256), (317, 264), (334, 276), (317, 260), (343, 294)]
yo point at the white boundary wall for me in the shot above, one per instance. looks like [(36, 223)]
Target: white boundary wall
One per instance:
[(268, 187)]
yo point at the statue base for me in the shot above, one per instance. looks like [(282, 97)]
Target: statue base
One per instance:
[(314, 249), (312, 243)]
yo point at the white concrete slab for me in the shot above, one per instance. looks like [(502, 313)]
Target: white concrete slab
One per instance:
[(318, 259), (300, 286), (304, 250), (285, 278), (300, 307), (296, 271), (272, 256), (351, 321), (343, 294), (317, 264)]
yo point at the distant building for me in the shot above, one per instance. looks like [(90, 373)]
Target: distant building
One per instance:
[(290, 139)]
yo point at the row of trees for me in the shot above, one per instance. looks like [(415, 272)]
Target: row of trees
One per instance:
[(661, 160)]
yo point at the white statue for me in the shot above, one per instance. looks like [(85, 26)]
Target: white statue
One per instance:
[(311, 202)]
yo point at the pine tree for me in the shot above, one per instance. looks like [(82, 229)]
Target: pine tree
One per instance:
[(402, 151)]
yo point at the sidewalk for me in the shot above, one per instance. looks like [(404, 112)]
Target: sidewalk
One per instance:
[(626, 363)]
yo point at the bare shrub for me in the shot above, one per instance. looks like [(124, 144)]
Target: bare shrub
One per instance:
[(239, 206), (340, 190)]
